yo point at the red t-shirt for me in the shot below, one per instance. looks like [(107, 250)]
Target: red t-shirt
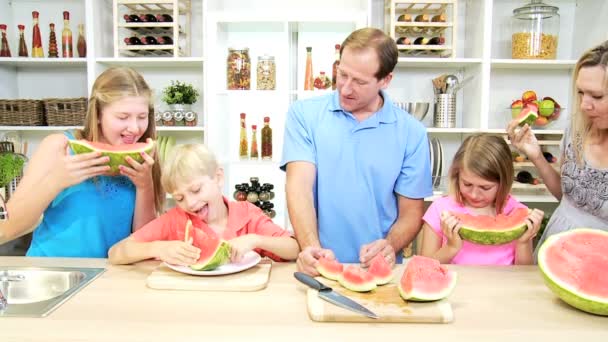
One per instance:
[(243, 218)]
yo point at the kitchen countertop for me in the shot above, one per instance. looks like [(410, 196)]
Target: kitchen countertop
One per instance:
[(489, 304)]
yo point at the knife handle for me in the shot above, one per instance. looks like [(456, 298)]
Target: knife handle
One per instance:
[(310, 281)]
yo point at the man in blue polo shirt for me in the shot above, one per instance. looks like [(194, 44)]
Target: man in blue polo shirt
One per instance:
[(357, 166)]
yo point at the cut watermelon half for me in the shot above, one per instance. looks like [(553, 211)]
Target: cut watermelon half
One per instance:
[(425, 279), (381, 270), (357, 279), (117, 153), (330, 268), (215, 252), (490, 230), (574, 265)]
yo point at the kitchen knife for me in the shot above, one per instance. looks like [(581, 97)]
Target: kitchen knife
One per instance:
[(328, 294)]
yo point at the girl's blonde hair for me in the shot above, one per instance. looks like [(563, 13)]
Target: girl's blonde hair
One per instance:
[(488, 157), (580, 125), (186, 162), (113, 85)]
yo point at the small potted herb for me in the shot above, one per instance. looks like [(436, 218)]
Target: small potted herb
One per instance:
[(180, 96)]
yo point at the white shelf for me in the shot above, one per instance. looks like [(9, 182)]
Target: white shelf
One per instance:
[(163, 62), (436, 62), (253, 163), (519, 197), (452, 130), (180, 128), (535, 131), (29, 62), (251, 93), (535, 64), (63, 128)]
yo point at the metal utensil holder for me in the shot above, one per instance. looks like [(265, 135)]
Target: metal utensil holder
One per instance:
[(444, 114)]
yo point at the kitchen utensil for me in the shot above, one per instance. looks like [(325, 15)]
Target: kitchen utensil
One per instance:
[(444, 115), (439, 84), (432, 156), (451, 82), (462, 84), (328, 294), (416, 109), (254, 279)]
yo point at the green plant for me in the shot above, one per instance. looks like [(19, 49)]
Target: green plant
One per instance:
[(11, 166), (180, 93)]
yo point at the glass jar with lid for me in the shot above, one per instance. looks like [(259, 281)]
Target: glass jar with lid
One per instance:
[(535, 31), (266, 73), (238, 69)]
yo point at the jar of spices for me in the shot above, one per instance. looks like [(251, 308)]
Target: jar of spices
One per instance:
[(269, 188), (266, 73), (158, 118), (238, 69), (168, 118), (240, 194), (178, 117), (190, 119), (264, 193), (535, 30), (252, 196)]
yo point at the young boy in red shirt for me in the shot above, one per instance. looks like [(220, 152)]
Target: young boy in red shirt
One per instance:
[(195, 180)]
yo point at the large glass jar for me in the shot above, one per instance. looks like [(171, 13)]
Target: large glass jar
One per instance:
[(266, 73), (238, 69), (535, 31)]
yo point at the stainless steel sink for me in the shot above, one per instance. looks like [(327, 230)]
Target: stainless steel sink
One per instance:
[(36, 292)]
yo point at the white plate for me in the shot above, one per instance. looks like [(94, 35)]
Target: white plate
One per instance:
[(250, 259)]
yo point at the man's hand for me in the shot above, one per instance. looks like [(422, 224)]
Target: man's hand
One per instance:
[(308, 259), (369, 251)]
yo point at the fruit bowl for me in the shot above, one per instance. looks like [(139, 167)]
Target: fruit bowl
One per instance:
[(416, 109), (538, 113), (541, 121)]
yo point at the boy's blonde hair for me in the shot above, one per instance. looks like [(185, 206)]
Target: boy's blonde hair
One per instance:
[(186, 162), (488, 157)]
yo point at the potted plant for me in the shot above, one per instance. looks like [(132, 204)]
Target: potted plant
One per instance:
[(180, 95)]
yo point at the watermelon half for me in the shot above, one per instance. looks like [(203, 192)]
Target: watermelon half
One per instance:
[(330, 268), (425, 279), (215, 252), (493, 230), (357, 279), (574, 265), (381, 270), (117, 153)]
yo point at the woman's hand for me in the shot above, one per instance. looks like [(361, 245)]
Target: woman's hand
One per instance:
[(178, 252), (535, 218), (140, 174), (71, 169), (524, 140), (241, 245), (450, 226)]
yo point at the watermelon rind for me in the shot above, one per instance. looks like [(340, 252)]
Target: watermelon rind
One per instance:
[(566, 292), (492, 237), (362, 287), (327, 273), (381, 270), (418, 296), (527, 116), (117, 158), (220, 257)]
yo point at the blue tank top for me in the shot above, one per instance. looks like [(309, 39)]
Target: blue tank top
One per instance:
[(86, 219)]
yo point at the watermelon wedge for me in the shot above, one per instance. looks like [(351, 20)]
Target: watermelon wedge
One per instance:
[(330, 268), (117, 153), (381, 270), (574, 265), (528, 115), (425, 279), (490, 230), (357, 279), (215, 252)]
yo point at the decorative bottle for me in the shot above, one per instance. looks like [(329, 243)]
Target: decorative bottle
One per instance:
[(82, 42), (308, 78), (66, 37), (36, 38), (334, 70), (53, 51), (266, 140), (5, 51), (22, 45), (243, 153), (254, 143)]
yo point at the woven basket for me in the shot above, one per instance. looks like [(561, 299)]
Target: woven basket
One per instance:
[(21, 113), (65, 112)]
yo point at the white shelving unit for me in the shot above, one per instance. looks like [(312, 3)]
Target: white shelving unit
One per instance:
[(283, 29)]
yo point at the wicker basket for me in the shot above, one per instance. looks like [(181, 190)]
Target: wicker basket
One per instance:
[(21, 113), (65, 112)]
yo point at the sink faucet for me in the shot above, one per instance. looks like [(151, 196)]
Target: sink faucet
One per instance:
[(3, 209)]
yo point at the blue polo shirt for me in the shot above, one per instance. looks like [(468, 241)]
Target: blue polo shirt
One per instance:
[(360, 166)]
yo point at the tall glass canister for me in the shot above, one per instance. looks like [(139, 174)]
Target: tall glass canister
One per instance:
[(535, 31)]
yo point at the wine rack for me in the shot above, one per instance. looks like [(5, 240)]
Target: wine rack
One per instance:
[(423, 28), (152, 28)]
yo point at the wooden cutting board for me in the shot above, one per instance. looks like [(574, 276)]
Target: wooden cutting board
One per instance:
[(384, 301), (253, 279)]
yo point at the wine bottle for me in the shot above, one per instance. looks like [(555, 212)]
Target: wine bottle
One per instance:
[(422, 18), (164, 18), (421, 41), (165, 40), (127, 18), (135, 18), (439, 18), (133, 41), (436, 41), (403, 41), (149, 40), (406, 17), (149, 18)]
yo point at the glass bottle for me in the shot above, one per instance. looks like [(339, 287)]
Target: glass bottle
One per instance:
[(22, 45), (243, 153), (308, 78), (5, 51), (238, 69), (53, 50), (266, 73), (67, 50), (36, 38), (334, 70), (254, 143), (535, 31), (82, 42), (266, 140)]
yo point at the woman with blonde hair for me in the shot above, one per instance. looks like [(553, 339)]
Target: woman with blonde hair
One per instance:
[(84, 209), (582, 183)]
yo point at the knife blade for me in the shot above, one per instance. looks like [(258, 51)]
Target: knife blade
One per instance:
[(328, 294)]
